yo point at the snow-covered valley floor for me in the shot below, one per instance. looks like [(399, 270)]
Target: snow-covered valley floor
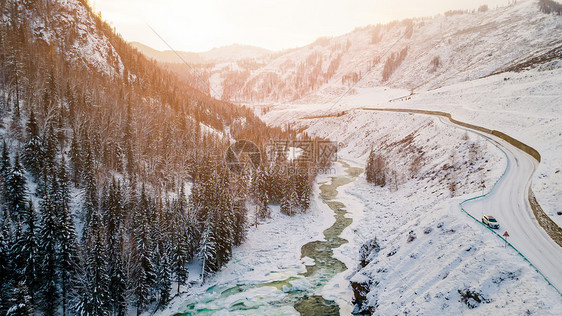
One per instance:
[(525, 105), (449, 256)]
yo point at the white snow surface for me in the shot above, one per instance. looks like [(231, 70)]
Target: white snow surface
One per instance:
[(426, 275), (525, 105)]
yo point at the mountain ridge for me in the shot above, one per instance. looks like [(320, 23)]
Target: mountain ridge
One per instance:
[(221, 54), (414, 54)]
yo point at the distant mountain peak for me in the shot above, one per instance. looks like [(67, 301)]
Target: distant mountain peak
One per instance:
[(221, 54)]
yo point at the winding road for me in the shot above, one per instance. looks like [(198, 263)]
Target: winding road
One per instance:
[(508, 201)]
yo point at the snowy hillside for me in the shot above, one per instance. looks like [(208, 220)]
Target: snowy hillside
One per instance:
[(113, 182), (432, 257), (436, 51), (83, 42)]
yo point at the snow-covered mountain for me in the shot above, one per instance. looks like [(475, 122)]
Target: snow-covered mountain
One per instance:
[(73, 30), (167, 56), (92, 135), (223, 54), (414, 54)]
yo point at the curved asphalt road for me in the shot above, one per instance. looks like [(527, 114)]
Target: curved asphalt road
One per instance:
[(509, 203)]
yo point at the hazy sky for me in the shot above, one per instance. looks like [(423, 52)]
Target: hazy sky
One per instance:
[(199, 25)]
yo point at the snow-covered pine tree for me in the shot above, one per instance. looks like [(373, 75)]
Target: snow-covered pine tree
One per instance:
[(207, 250), (163, 273), (67, 239), (49, 153), (60, 130), (49, 286), (16, 190), (76, 158), (33, 146), (6, 271), (240, 221), (302, 187), (224, 220), (274, 182), (92, 286), (112, 209), (90, 186), (26, 251), (5, 167), (146, 277), (50, 96), (286, 203), (21, 302), (259, 190), (296, 202), (128, 140), (180, 239), (5, 158), (117, 289)]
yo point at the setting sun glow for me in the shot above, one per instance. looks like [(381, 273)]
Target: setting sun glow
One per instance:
[(272, 24)]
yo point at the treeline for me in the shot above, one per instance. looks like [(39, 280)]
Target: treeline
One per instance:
[(319, 67), (549, 6), (393, 62), (95, 218), (132, 246)]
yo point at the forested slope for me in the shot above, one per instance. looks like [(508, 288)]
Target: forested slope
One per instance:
[(100, 148)]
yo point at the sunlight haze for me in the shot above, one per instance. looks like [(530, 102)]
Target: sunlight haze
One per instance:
[(202, 25)]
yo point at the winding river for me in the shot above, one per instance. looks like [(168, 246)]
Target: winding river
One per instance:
[(281, 297)]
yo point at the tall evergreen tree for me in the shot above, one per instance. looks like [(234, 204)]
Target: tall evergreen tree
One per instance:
[(128, 140), (16, 191), (22, 304), (5, 168), (50, 95), (240, 221), (49, 262), (49, 152), (6, 271), (27, 251), (286, 205), (146, 277), (302, 187), (113, 219), (5, 159), (259, 188), (67, 239), (117, 285), (91, 192), (224, 219), (60, 130), (181, 238), (92, 287), (32, 157), (207, 250), (163, 273), (76, 158)]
